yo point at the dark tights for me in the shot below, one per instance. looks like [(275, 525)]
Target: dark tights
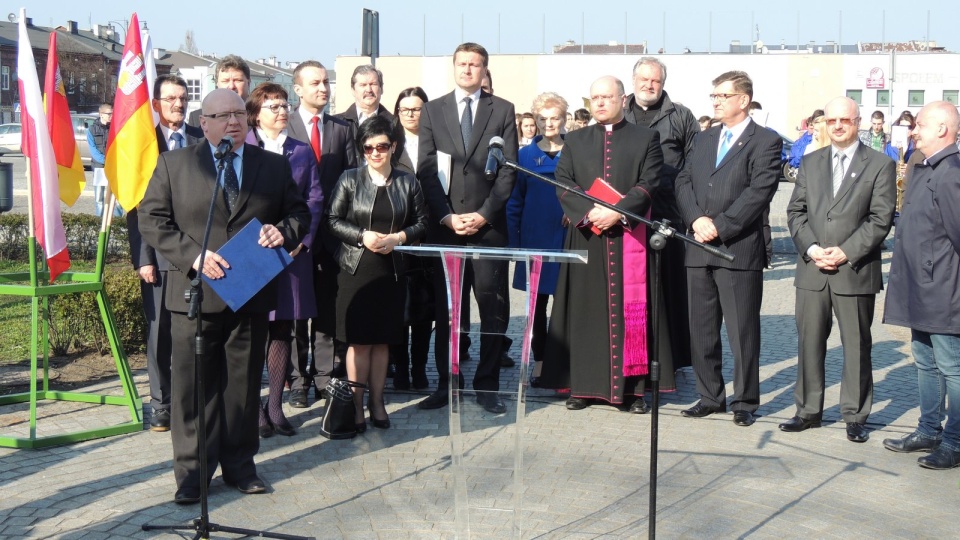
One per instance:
[(278, 356)]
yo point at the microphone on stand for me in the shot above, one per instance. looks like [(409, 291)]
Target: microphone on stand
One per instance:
[(225, 146), (494, 158)]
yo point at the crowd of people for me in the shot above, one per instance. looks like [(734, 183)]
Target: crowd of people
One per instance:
[(341, 192)]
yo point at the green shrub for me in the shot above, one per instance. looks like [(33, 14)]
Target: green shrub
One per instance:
[(82, 232)]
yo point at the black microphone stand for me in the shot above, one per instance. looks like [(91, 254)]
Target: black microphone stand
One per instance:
[(194, 297), (660, 232)]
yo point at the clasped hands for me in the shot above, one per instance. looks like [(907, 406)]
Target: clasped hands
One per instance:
[(379, 242), (465, 224), (214, 264), (830, 258), (603, 218)]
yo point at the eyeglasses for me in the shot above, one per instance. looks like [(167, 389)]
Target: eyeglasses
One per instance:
[(379, 147), (844, 121), (170, 100), (277, 107), (239, 115), (412, 111), (106, 113), (722, 97)]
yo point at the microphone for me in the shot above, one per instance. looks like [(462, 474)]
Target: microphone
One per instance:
[(494, 158), (225, 146)]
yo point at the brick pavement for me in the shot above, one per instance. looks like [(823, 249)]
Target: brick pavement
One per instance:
[(585, 475)]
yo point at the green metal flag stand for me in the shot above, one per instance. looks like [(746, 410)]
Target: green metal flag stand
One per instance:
[(72, 282)]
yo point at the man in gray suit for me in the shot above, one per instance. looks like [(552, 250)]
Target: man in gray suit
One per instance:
[(839, 214), (170, 103)]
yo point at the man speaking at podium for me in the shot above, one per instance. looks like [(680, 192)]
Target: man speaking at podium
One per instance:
[(173, 216)]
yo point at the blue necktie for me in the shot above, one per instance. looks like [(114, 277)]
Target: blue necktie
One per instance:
[(724, 146), (177, 140), (466, 123), (231, 182)]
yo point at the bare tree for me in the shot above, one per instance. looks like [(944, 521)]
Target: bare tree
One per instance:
[(190, 44)]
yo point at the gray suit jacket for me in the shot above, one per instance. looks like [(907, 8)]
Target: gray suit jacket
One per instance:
[(469, 190), (857, 219)]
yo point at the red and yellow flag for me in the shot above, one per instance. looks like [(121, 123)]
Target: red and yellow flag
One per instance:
[(132, 144), (69, 167)]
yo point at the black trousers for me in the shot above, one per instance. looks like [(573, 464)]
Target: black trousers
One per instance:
[(488, 279), (318, 335), (158, 342), (717, 295), (233, 367)]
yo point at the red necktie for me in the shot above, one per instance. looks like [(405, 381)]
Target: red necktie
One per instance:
[(315, 138)]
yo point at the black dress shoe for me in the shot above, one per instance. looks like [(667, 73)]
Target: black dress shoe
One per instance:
[(284, 429), (743, 418), (576, 404), (160, 421), (247, 486), (319, 394), (491, 402), (506, 361), (940, 459), (420, 381), (298, 399), (700, 410), (797, 424), (857, 432), (380, 424), (266, 431), (913, 442), (361, 427), (639, 407), (435, 400), (187, 495), (535, 382)]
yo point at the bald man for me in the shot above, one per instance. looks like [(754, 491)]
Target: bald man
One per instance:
[(839, 214), (924, 280)]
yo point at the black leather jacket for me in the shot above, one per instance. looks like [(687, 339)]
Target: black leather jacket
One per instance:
[(351, 205)]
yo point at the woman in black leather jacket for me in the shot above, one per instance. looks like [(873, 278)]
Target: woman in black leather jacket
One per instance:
[(373, 209)]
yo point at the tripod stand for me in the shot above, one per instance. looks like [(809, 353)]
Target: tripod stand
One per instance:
[(660, 233), (194, 296)]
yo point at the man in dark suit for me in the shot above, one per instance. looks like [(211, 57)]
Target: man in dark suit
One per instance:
[(232, 73), (170, 103), (366, 83), (924, 280), (469, 211), (332, 141), (173, 216), (729, 178), (839, 214)]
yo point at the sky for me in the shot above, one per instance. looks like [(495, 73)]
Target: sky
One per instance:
[(434, 27)]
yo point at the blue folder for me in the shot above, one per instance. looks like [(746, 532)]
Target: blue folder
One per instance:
[(252, 266)]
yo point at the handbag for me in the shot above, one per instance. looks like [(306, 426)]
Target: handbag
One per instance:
[(340, 411)]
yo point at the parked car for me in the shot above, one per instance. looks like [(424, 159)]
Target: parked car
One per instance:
[(11, 137), (787, 172)]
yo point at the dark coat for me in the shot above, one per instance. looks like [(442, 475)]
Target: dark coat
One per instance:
[(469, 190), (351, 209), (857, 219), (734, 193), (173, 214), (924, 286)]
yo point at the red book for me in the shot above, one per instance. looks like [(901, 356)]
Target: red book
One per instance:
[(606, 193)]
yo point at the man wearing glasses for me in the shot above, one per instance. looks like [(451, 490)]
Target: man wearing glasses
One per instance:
[(173, 215), (331, 139), (839, 214), (170, 103), (729, 178)]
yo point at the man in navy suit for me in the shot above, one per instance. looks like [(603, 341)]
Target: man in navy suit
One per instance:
[(331, 139), (729, 178), (469, 211), (170, 103)]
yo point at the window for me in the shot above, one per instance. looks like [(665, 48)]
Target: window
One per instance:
[(951, 96), (915, 98), (5, 78), (883, 97), (193, 89), (856, 95)]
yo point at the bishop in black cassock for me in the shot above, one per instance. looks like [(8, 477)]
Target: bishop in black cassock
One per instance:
[(599, 338)]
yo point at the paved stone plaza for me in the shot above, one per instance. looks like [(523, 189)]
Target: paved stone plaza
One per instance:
[(585, 474)]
